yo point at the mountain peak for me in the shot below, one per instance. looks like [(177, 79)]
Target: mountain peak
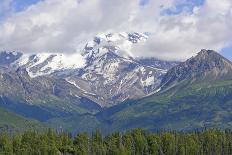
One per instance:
[(209, 54), (206, 52), (206, 65), (119, 43), (209, 59)]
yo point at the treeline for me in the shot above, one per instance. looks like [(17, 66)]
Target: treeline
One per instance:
[(135, 142)]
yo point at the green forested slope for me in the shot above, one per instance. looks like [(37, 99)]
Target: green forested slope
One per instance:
[(184, 107), (12, 123), (191, 107)]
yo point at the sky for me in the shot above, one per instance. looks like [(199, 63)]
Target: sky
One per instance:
[(178, 29)]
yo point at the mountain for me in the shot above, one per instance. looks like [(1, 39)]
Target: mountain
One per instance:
[(112, 74), (41, 98), (106, 73), (104, 85), (67, 90), (189, 95), (194, 94), (207, 66), (156, 63)]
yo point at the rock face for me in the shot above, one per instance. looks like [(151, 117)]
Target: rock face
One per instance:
[(111, 74), (107, 72), (207, 65), (41, 97)]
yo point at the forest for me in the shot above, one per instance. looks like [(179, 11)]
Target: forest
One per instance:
[(134, 142)]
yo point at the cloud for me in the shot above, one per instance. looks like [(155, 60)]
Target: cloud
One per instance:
[(181, 36), (62, 26), (57, 25)]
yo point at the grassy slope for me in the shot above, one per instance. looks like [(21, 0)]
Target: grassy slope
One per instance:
[(185, 107), (76, 123), (11, 123)]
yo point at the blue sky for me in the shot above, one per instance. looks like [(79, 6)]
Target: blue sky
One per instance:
[(20, 5), (227, 52), (147, 17), (187, 5), (11, 6), (144, 2)]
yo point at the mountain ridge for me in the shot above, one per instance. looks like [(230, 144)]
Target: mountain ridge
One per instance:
[(188, 105), (107, 72), (207, 62)]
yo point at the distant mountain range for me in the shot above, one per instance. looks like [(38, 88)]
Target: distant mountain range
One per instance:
[(110, 89)]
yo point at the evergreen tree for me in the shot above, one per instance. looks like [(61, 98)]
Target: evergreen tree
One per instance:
[(6, 147), (81, 144), (135, 142)]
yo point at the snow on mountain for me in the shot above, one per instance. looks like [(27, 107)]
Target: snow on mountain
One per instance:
[(106, 71), (113, 73), (47, 63), (120, 43)]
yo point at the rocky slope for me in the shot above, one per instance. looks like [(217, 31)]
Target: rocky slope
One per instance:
[(42, 97), (207, 65), (107, 72)]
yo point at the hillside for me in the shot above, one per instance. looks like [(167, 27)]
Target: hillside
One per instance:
[(12, 123), (41, 98)]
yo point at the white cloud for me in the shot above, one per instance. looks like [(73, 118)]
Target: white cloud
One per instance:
[(60, 26), (57, 25), (183, 35)]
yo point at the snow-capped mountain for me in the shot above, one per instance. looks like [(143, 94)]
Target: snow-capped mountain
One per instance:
[(119, 43), (48, 63), (106, 70)]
